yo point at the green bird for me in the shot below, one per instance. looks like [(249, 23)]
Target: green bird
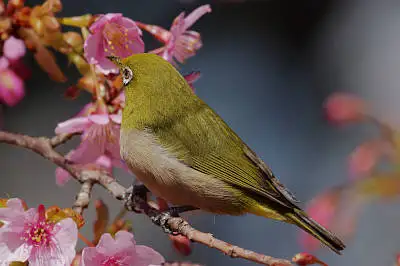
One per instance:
[(183, 151)]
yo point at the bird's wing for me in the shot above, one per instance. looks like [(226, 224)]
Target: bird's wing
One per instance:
[(203, 141)]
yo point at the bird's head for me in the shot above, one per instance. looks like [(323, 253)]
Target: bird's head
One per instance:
[(149, 77), (138, 69)]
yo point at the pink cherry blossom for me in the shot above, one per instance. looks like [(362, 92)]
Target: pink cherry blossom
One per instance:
[(366, 156), (121, 251), (14, 48), (180, 43), (99, 142), (27, 236), (12, 88), (112, 34)]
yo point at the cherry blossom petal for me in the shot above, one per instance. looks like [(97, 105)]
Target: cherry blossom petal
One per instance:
[(124, 237), (15, 204), (93, 46), (104, 161), (99, 24), (99, 119), (21, 253), (62, 176), (87, 152), (116, 118), (196, 15), (67, 237), (91, 257), (73, 125), (106, 245), (146, 256)]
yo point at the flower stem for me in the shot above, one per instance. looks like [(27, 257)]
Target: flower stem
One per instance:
[(85, 240)]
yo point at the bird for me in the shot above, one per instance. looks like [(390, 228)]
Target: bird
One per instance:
[(184, 152)]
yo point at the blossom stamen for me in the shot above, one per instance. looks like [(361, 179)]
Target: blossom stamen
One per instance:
[(117, 37)]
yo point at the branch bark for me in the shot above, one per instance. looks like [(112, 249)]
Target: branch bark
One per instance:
[(46, 148)]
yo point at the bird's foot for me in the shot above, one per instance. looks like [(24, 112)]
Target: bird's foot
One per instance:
[(135, 197), (162, 218)]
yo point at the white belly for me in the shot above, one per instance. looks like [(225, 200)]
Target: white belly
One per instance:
[(170, 179)]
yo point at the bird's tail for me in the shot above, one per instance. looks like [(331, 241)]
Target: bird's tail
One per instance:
[(301, 219)]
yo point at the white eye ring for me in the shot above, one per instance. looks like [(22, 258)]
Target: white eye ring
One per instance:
[(127, 75)]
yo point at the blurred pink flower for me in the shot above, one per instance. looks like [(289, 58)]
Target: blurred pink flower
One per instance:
[(112, 34), (12, 71), (343, 107), (27, 236), (366, 156), (121, 251), (180, 43), (14, 48), (12, 88), (99, 142)]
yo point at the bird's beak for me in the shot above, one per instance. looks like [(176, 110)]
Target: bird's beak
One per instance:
[(115, 59)]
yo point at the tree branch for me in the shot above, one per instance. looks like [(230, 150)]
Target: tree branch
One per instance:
[(45, 147)]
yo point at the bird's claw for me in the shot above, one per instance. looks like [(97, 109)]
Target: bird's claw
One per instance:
[(135, 195), (161, 220)]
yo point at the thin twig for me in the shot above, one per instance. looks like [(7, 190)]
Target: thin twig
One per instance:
[(45, 147), (83, 198), (61, 139)]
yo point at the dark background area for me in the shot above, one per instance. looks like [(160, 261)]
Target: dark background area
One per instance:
[(267, 67)]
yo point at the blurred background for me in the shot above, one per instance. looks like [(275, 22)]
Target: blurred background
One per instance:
[(267, 67)]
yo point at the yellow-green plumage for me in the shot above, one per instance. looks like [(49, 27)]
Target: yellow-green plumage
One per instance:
[(195, 158)]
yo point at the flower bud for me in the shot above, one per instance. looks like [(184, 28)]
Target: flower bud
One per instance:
[(78, 21), (303, 259), (181, 244), (72, 92), (51, 23), (74, 39), (5, 24), (37, 25), (80, 63), (53, 6)]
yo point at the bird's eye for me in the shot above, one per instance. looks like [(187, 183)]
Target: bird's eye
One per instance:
[(127, 75)]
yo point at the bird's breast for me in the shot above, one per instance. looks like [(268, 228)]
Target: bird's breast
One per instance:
[(167, 177)]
